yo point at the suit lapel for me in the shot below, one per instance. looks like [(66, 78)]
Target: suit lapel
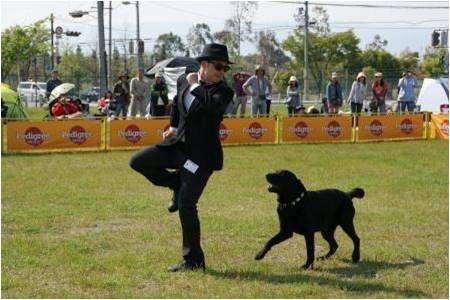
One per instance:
[(181, 106)]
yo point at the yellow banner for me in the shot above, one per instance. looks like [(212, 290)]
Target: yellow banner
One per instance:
[(299, 129), (247, 130), (439, 126), (390, 127), (136, 133), (61, 134)]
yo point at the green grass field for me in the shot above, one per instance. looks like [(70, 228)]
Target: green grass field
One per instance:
[(84, 225)]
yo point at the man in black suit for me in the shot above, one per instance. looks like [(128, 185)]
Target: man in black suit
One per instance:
[(191, 146)]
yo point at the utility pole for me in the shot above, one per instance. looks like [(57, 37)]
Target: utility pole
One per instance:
[(101, 42), (110, 43), (140, 60), (52, 43), (305, 56), (239, 29)]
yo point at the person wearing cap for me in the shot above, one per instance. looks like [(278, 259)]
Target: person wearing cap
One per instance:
[(334, 94), (358, 93), (258, 86), (379, 91), (53, 82), (406, 96), (159, 99), (138, 92), (293, 99), (191, 146), (121, 94)]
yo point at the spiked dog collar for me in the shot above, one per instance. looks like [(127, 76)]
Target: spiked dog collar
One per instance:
[(293, 203)]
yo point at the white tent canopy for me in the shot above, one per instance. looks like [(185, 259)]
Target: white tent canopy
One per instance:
[(433, 94)]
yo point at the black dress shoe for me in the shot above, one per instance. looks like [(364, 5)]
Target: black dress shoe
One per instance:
[(173, 204), (184, 265)]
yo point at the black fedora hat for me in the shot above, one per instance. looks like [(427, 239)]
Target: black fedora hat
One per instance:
[(214, 51)]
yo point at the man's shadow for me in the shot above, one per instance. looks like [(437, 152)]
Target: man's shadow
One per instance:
[(366, 269)]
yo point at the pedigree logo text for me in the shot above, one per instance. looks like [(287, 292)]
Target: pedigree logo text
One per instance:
[(77, 135), (333, 129), (33, 136), (132, 134), (301, 129), (376, 127), (255, 130)]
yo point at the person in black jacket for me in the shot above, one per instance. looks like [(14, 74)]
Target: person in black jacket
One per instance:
[(53, 82), (159, 99), (121, 95), (191, 146)]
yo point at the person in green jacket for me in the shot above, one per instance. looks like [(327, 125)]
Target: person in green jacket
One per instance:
[(159, 99)]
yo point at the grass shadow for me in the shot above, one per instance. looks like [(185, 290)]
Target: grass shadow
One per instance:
[(370, 268), (365, 269)]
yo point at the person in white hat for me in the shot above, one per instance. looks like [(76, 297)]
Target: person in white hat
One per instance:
[(334, 94), (293, 99), (138, 91), (358, 93), (260, 91)]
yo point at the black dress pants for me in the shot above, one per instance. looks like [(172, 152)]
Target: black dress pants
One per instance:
[(153, 162)]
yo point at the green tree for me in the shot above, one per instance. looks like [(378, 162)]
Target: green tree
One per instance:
[(409, 60), (319, 17), (199, 35), (168, 45), (378, 43), (224, 37), (75, 67), (240, 24), (20, 45), (269, 48), (381, 61), (327, 52), (435, 62)]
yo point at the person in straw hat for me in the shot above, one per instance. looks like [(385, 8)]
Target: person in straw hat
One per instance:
[(293, 99), (358, 93), (379, 91)]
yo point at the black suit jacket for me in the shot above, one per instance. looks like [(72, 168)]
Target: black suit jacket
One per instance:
[(200, 124)]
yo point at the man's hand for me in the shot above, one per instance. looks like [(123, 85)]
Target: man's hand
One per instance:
[(192, 78), (169, 133)]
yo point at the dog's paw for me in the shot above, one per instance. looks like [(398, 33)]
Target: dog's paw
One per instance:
[(308, 266)]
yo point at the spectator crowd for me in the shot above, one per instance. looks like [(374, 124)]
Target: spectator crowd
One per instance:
[(139, 98)]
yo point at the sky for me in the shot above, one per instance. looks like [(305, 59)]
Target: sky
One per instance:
[(402, 28)]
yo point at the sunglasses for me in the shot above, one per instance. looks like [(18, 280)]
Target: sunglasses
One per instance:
[(220, 67)]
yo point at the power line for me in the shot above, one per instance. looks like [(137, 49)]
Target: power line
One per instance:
[(364, 5), (186, 11)]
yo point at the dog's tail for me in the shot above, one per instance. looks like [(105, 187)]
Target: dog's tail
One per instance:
[(356, 192)]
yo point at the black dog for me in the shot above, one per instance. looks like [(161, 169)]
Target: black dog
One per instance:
[(306, 212)]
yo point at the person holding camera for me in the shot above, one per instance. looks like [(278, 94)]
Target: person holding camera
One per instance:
[(260, 91), (334, 94)]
